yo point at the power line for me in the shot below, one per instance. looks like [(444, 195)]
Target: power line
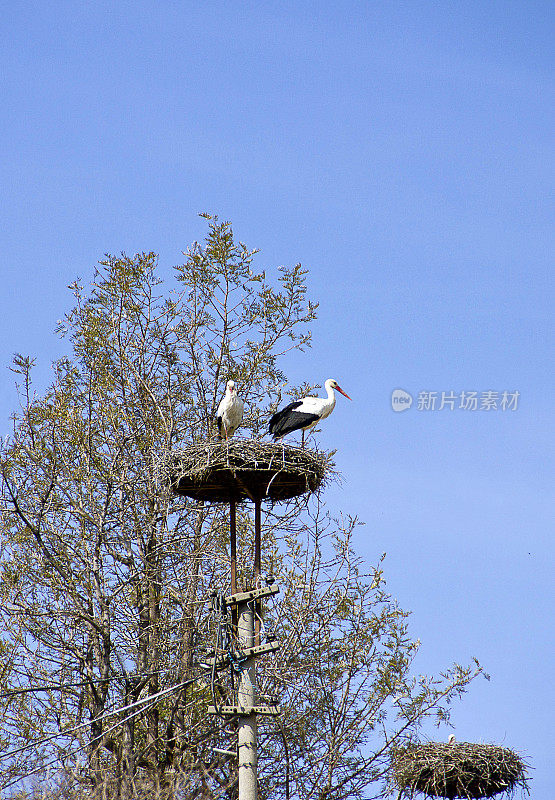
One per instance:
[(81, 747), (108, 714), (62, 686)]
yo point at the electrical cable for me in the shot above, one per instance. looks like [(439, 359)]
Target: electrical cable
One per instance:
[(141, 701), (81, 747), (213, 671), (62, 686)]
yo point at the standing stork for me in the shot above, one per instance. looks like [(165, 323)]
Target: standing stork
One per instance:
[(306, 413), (230, 412)]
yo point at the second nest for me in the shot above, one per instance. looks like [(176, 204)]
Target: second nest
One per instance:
[(457, 770)]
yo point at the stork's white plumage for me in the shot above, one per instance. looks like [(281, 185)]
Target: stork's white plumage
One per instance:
[(230, 412), (451, 739), (305, 414)]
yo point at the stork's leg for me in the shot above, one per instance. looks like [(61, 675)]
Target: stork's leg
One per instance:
[(302, 442)]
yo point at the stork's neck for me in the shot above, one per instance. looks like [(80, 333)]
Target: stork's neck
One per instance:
[(331, 394)]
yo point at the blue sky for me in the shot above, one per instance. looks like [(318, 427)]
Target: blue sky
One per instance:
[(402, 151)]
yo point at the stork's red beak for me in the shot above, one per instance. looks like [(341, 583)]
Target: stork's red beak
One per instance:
[(339, 389)]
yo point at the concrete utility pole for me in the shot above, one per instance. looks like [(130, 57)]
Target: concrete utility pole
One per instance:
[(247, 708), (248, 784), (234, 472)]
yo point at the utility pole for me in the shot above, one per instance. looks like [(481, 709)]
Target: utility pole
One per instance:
[(233, 472), (247, 728), (246, 711)]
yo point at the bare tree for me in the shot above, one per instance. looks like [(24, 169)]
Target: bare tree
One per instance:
[(105, 575)]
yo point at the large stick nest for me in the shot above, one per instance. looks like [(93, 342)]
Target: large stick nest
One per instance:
[(460, 769), (246, 468)]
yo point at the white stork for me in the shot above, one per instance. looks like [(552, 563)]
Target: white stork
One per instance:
[(230, 412), (305, 414)]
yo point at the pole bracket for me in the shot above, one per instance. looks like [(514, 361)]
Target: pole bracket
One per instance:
[(242, 656), (245, 711), (260, 649), (253, 594)]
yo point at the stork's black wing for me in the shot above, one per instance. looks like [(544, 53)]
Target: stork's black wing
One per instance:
[(282, 413), (289, 419), (220, 426)]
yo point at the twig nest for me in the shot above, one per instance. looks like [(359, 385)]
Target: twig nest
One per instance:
[(460, 769), (241, 469)]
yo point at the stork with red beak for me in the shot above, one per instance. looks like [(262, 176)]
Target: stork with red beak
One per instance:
[(305, 414), (230, 412)]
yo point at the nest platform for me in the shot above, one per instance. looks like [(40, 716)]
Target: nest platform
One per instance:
[(458, 770), (242, 469)]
